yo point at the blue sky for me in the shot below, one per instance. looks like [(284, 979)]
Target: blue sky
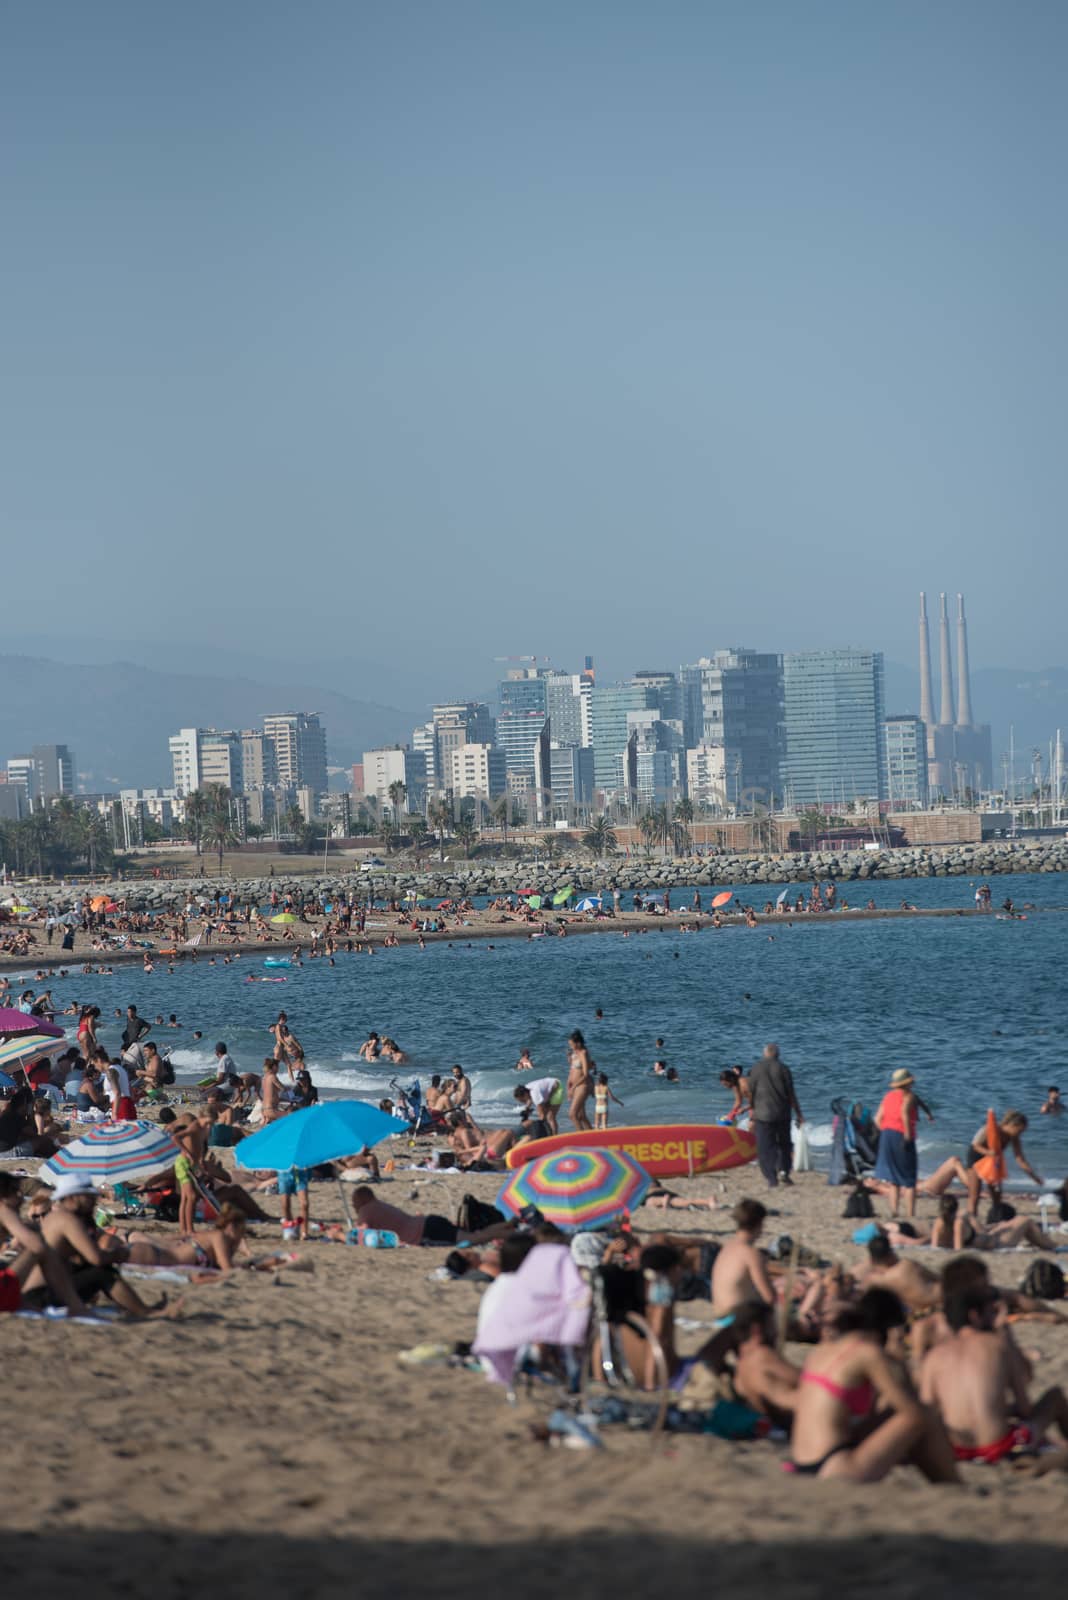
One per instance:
[(430, 333)]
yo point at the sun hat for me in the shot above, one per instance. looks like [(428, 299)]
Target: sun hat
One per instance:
[(71, 1183), (901, 1078)]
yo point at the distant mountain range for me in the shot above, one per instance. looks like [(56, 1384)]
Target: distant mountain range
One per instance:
[(117, 718)]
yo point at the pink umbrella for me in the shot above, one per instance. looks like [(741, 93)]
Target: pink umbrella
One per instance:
[(13, 1022)]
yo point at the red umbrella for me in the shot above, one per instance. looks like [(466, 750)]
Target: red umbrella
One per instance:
[(443, 905), (13, 1022), (721, 899)]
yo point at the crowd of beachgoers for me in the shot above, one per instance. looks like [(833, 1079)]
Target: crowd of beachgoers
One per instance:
[(842, 1369)]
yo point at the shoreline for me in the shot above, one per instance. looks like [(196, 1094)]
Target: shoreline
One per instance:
[(485, 928)]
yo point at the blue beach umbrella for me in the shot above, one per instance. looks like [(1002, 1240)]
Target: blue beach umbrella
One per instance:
[(319, 1134), (6, 1082), (592, 902)]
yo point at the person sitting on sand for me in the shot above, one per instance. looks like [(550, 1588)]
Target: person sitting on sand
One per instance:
[(856, 1415), (978, 1391), (951, 1231), (740, 1275), (72, 1235), (762, 1377), (910, 1281), (371, 1212), (32, 1252)]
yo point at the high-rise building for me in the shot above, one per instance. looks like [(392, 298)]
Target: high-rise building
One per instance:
[(258, 761), (200, 756), (667, 692), (835, 749), (653, 766), (383, 768), (567, 700), (22, 772), (523, 689), (609, 705), (905, 740), (53, 766), (517, 734), (299, 741), (563, 782), (452, 724), (706, 776), (14, 802), (477, 772), (734, 700)]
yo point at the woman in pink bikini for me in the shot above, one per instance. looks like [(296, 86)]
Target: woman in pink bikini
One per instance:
[(857, 1415)]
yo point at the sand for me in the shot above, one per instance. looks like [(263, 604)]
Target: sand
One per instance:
[(269, 1442)]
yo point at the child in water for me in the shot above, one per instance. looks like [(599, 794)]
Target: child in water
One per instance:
[(601, 1096)]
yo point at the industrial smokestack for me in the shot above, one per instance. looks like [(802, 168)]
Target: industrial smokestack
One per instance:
[(926, 693), (964, 688), (945, 716)]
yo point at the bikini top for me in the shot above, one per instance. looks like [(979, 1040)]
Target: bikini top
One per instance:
[(858, 1400)]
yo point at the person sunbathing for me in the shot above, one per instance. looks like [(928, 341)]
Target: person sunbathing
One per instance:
[(979, 1392), (952, 1231), (370, 1212), (856, 1414), (213, 1248), (33, 1253)]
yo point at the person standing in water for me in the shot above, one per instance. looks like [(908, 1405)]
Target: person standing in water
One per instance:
[(579, 1081)]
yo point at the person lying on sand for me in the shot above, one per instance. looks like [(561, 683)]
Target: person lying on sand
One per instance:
[(911, 1281), (951, 1231), (371, 1212), (213, 1248), (978, 1391)]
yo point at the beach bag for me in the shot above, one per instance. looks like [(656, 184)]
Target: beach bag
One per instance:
[(167, 1208), (1044, 1281), (802, 1158), (1000, 1211), (859, 1204), (472, 1215)]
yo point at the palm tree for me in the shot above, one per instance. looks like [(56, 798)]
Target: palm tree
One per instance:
[(600, 837), (682, 820), (196, 813), (466, 833), (439, 816), (501, 813), (649, 828), (219, 832), (550, 844), (397, 792)]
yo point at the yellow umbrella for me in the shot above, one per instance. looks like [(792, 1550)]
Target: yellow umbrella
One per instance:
[(284, 916)]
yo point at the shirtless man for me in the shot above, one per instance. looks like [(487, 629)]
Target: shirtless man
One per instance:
[(71, 1234), (459, 1091), (437, 1098), (762, 1378), (911, 1281), (33, 1252), (979, 1391), (740, 1275)]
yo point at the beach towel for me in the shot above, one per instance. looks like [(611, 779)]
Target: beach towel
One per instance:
[(992, 1169), (546, 1303)]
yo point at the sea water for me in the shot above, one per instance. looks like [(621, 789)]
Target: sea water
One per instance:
[(974, 1007)]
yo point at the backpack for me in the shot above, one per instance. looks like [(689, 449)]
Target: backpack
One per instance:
[(472, 1215), (167, 1208), (859, 1204), (1044, 1281)]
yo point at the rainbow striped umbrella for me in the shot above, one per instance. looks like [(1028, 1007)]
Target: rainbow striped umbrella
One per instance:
[(23, 1047), (577, 1189), (116, 1152)]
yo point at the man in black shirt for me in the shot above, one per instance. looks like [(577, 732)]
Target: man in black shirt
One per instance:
[(135, 1029), (771, 1089)]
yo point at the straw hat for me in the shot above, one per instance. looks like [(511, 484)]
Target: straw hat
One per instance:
[(901, 1078)]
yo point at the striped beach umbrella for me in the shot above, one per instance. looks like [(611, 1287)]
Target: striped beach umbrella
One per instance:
[(24, 1047), (116, 1152), (14, 1021), (577, 1189)]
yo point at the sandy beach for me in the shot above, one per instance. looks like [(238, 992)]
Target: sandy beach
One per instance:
[(270, 1442)]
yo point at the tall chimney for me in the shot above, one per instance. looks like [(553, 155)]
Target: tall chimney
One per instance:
[(945, 716), (926, 693), (964, 688)]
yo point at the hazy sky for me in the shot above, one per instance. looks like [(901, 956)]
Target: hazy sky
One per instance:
[(435, 332)]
